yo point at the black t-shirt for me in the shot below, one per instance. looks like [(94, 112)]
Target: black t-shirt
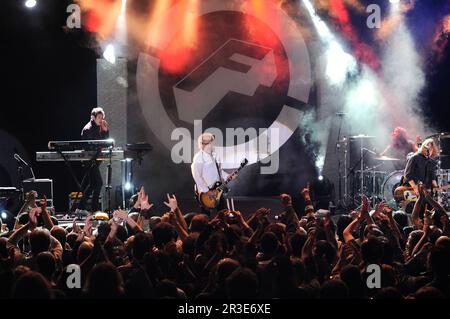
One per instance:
[(92, 131), (420, 169)]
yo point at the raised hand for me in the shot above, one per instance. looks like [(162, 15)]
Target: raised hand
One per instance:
[(140, 221), (141, 194), (221, 214), (114, 225), (87, 229), (104, 126), (387, 210), (261, 212), (75, 227), (172, 203), (145, 205), (286, 199), (43, 204), (238, 215), (421, 191), (305, 191), (32, 216), (427, 217), (120, 214)]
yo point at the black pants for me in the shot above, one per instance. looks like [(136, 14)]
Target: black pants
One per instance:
[(92, 185)]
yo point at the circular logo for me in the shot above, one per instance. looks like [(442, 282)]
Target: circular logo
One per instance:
[(248, 69)]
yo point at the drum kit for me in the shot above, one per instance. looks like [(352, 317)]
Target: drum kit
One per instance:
[(378, 183)]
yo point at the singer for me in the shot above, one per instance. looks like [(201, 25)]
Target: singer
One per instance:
[(95, 129)]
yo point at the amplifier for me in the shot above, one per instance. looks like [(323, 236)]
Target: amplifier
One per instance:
[(42, 187)]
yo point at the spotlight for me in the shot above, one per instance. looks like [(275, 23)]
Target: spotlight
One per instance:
[(109, 54), (322, 192), (339, 63), (395, 5), (128, 186), (4, 215), (30, 3)]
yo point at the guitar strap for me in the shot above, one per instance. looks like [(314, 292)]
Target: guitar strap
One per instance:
[(218, 168)]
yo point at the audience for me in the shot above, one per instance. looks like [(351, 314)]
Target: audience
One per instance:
[(174, 256)]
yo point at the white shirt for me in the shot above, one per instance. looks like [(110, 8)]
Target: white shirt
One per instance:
[(204, 171)]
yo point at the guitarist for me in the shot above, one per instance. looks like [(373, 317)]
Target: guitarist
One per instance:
[(421, 167), (206, 171)]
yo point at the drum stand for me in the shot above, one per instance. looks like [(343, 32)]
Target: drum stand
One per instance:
[(363, 153)]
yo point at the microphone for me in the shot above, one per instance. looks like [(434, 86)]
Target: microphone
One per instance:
[(20, 159)]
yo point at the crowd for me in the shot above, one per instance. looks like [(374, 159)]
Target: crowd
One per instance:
[(298, 255)]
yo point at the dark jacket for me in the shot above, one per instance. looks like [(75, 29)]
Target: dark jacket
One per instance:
[(92, 131), (420, 169)]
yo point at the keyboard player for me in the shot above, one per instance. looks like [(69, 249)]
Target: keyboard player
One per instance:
[(96, 129)]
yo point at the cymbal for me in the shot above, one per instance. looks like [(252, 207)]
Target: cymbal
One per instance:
[(386, 158), (362, 136), (440, 135)]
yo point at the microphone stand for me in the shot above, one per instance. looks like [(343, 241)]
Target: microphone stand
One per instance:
[(342, 200), (108, 180), (20, 181)]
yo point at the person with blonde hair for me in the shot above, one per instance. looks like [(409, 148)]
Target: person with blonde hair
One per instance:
[(421, 167), (206, 169)]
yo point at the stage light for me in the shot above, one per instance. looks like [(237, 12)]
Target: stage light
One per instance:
[(321, 27), (109, 54), (394, 1), (339, 64), (321, 192), (30, 3), (4, 215), (128, 186)]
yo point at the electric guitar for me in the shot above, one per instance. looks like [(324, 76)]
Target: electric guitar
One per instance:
[(407, 193), (211, 198)]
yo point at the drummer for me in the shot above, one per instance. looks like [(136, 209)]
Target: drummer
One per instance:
[(400, 147)]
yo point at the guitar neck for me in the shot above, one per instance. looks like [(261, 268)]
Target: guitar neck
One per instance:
[(442, 188), (231, 176)]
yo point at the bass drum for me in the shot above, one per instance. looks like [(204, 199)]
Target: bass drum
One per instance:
[(391, 182)]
